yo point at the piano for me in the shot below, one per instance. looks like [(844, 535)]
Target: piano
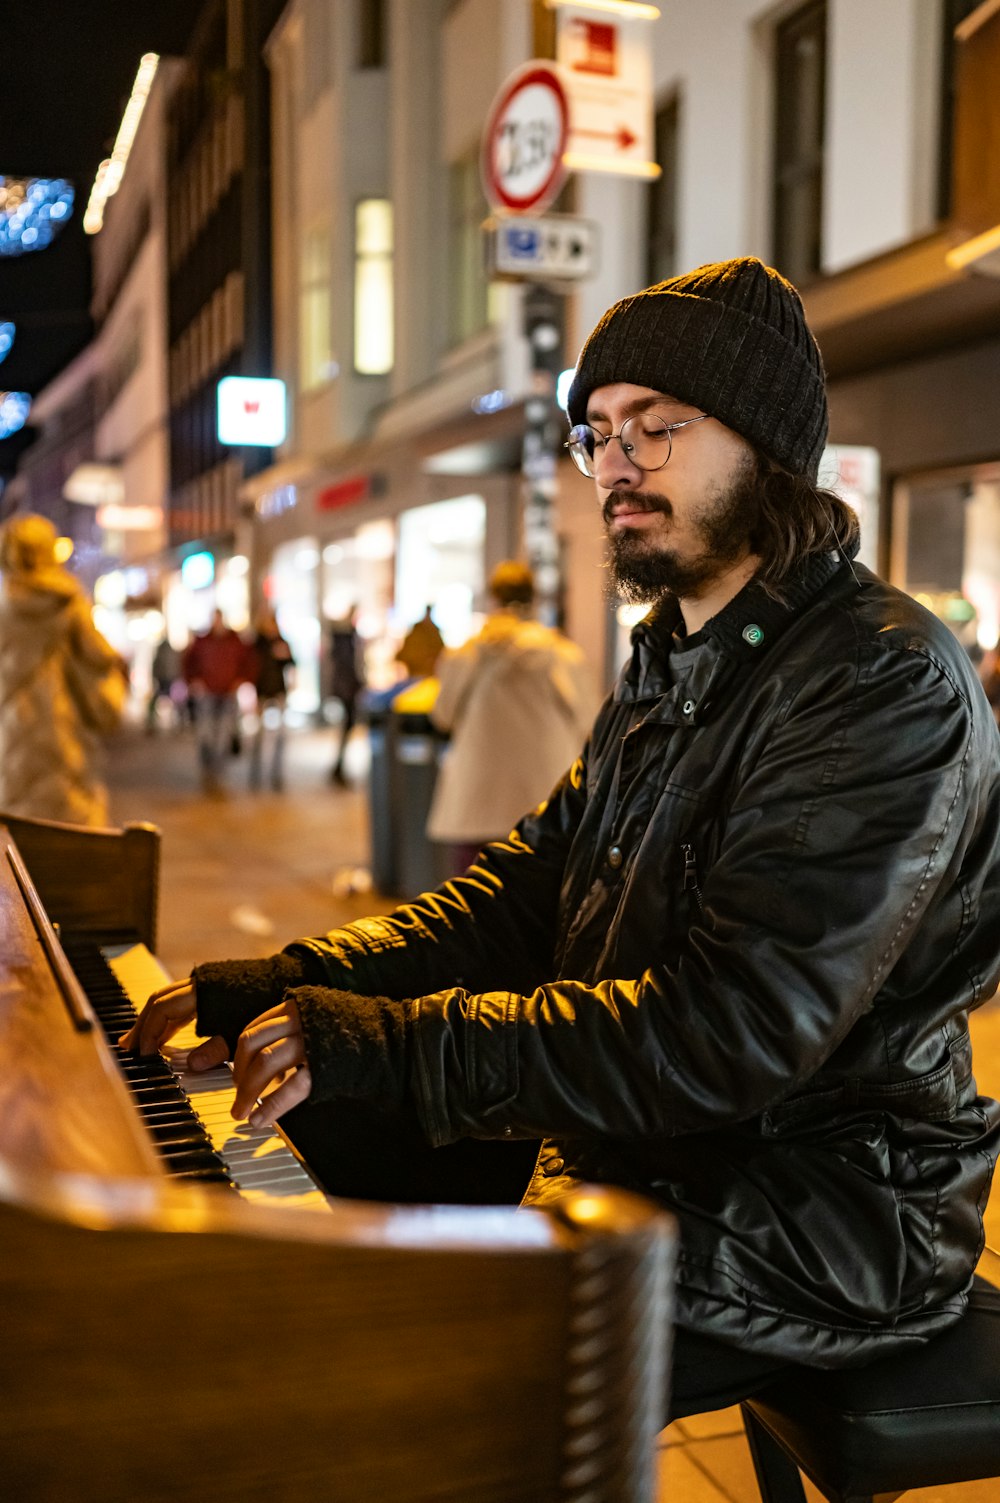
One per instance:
[(187, 1316)]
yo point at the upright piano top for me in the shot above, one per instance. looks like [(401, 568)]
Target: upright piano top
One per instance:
[(63, 1106)]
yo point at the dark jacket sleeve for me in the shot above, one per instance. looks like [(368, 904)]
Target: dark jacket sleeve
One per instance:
[(494, 927)]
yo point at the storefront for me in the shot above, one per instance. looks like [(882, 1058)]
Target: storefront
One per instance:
[(380, 538)]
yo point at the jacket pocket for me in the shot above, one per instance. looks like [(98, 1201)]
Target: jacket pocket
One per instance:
[(932, 1097)]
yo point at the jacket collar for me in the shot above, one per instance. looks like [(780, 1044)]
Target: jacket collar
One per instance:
[(742, 632)]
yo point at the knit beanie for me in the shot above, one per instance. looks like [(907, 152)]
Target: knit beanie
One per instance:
[(730, 338)]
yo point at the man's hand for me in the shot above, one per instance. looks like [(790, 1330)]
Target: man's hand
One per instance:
[(168, 1010), (270, 1050)]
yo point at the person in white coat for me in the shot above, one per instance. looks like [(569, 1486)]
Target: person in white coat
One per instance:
[(517, 701), (62, 685)]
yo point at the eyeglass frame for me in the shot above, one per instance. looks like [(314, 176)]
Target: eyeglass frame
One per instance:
[(668, 429)]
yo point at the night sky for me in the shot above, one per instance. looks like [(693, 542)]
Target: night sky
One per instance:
[(66, 76)]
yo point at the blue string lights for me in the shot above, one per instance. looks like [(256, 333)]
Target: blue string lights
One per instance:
[(32, 211), (6, 338), (14, 409)]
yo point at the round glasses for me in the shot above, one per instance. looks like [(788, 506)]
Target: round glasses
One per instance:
[(645, 439)]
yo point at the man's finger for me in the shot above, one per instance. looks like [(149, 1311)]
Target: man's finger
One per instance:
[(167, 1010), (209, 1055), (261, 1069), (290, 1093)]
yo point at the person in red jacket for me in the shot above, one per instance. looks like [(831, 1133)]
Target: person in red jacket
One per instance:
[(214, 665)]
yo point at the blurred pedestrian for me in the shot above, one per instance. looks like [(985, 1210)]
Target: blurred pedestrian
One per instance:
[(518, 702), (347, 679), (165, 671), (62, 685), (421, 647), (272, 660), (214, 665)]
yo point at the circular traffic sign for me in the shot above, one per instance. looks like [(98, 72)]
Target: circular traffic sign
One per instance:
[(525, 137)]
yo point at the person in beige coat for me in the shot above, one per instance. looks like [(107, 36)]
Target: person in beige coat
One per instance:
[(62, 686), (518, 703)]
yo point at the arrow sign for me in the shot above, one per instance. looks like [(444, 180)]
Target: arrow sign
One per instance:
[(622, 136)]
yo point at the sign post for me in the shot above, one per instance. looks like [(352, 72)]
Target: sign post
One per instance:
[(524, 144)]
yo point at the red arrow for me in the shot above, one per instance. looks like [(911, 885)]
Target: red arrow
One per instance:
[(623, 137)]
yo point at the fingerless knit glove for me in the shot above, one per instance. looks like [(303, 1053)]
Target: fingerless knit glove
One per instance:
[(356, 1047), (231, 993)]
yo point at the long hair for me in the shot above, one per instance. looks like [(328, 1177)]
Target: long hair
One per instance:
[(795, 517)]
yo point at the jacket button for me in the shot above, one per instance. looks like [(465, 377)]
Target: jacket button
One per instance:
[(752, 635), (554, 1167), (615, 857), (688, 707)]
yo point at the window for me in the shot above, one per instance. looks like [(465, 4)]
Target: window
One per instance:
[(371, 33), (661, 245), (468, 311), (800, 78), (316, 363), (953, 12), (373, 308)]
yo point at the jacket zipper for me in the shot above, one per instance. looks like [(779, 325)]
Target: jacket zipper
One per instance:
[(691, 875)]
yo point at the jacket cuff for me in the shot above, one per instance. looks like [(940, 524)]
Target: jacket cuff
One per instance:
[(231, 993), (356, 1047)]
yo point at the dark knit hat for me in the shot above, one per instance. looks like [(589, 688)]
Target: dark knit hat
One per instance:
[(730, 338)]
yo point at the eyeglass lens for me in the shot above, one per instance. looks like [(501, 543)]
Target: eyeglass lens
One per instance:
[(645, 439)]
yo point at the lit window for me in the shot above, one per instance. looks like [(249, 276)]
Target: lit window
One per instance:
[(316, 363), (373, 311), (469, 305)]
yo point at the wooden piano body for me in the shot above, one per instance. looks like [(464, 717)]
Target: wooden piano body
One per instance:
[(167, 1340)]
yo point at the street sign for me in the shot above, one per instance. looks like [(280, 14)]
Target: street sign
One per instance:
[(524, 140), (606, 65), (559, 247)]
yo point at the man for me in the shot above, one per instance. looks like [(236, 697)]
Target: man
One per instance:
[(518, 703), (214, 665), (729, 963)]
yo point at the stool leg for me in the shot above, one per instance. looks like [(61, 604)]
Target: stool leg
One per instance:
[(777, 1475)]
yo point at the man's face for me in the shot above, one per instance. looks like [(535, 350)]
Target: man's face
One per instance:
[(683, 527)]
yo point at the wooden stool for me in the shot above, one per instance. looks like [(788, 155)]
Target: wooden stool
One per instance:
[(865, 1435)]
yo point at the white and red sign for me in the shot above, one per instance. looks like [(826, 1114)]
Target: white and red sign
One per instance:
[(525, 140), (251, 410), (606, 65)]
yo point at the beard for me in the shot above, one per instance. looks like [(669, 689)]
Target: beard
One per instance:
[(642, 573)]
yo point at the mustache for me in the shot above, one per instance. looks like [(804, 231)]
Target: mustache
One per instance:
[(635, 501)]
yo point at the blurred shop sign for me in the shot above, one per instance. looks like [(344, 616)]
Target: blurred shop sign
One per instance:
[(605, 61), (251, 410), (348, 492), (558, 246), (854, 472), (525, 139)]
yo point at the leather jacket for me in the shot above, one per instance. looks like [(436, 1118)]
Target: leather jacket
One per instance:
[(729, 964)]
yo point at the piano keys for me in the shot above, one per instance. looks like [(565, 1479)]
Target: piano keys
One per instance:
[(188, 1112)]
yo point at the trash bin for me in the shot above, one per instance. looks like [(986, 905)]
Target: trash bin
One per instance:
[(415, 748), (405, 749)]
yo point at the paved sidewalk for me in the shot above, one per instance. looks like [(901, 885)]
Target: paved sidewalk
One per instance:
[(246, 873)]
